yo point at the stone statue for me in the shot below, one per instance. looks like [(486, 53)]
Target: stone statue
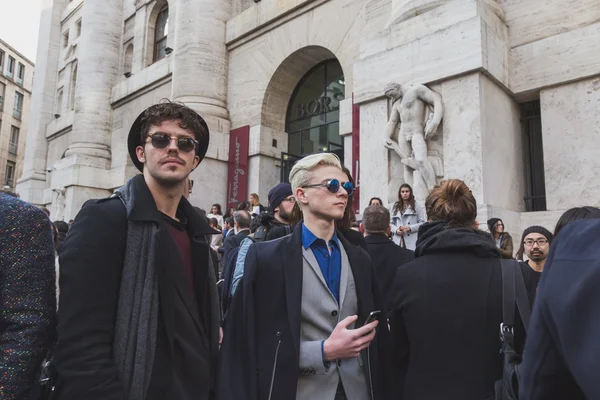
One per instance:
[(419, 112)]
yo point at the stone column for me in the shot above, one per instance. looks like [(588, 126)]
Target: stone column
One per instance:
[(33, 181), (200, 81), (84, 171), (98, 69)]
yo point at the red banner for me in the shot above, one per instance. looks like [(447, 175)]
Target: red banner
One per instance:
[(237, 175), (356, 154)]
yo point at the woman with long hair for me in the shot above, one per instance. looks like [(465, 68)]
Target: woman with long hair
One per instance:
[(406, 218), (215, 212), (503, 240), (255, 207), (447, 311)]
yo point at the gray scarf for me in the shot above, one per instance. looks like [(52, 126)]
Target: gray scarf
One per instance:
[(134, 342)]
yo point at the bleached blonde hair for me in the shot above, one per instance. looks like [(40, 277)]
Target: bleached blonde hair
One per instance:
[(300, 173)]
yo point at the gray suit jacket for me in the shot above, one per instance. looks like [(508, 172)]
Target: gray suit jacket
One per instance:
[(320, 313)]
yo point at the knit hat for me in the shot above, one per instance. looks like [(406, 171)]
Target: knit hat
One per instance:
[(278, 193), (538, 229), (491, 222)]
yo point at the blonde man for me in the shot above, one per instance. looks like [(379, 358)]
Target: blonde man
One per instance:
[(299, 318)]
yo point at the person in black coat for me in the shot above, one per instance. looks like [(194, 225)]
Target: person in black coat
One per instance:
[(562, 355), (448, 305), (27, 295), (263, 350), (387, 257), (139, 313)]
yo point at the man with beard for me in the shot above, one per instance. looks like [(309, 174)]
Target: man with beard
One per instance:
[(536, 245), (139, 315)]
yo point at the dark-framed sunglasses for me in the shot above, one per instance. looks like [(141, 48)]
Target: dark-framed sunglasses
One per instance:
[(334, 186), (161, 140)]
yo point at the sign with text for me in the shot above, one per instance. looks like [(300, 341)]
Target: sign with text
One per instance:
[(237, 174)]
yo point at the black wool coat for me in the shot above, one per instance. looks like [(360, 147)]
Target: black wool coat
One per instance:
[(446, 317), (264, 320), (91, 263), (387, 257)]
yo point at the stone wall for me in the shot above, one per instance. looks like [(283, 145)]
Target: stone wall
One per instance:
[(571, 128)]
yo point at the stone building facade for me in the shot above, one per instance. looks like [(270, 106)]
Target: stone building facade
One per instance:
[(519, 81), (16, 81)]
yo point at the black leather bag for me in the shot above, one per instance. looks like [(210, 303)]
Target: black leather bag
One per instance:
[(513, 292), (49, 382)]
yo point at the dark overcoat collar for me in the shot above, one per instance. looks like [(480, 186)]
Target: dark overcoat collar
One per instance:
[(144, 209)]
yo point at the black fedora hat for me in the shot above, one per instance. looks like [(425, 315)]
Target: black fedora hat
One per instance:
[(133, 140)]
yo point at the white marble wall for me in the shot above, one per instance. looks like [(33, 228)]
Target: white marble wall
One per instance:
[(571, 128)]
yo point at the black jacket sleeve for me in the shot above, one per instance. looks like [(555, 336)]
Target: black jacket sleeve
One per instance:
[(91, 262), (27, 297), (237, 359)]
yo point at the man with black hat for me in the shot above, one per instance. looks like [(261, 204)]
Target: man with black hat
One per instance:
[(139, 316)]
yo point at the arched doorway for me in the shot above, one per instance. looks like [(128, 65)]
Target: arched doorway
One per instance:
[(312, 119)]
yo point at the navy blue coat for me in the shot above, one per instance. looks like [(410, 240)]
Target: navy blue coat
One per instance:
[(27, 295), (562, 355)]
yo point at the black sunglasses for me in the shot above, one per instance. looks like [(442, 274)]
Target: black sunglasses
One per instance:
[(334, 186), (162, 140)]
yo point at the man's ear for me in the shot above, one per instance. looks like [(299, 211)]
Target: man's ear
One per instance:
[(139, 152), (301, 196), (389, 230), (362, 228), (196, 162)]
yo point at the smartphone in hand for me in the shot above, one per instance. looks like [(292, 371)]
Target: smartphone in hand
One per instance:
[(372, 317)]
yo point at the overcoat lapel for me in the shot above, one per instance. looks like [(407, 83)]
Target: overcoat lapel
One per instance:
[(291, 263)]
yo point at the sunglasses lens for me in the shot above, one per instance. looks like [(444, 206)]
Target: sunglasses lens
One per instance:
[(160, 141), (333, 185), (185, 144), (349, 188)]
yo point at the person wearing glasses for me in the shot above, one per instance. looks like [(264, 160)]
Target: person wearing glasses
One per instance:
[(139, 310), (297, 327), (536, 242)]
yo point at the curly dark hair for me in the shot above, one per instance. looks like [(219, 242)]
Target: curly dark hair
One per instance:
[(167, 110), (399, 205)]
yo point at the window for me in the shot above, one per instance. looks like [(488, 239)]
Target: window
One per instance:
[(78, 29), (18, 109), (313, 115), (2, 87), (11, 67), (73, 87), (535, 181), (59, 102), (160, 33), (9, 174), (20, 73), (128, 59), (1, 62), (65, 41), (13, 145)]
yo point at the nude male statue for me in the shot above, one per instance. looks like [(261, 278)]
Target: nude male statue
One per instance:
[(411, 108)]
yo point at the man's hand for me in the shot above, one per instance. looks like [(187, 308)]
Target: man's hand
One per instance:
[(388, 143), (348, 343)]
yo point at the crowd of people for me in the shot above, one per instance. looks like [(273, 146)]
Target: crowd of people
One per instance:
[(158, 299)]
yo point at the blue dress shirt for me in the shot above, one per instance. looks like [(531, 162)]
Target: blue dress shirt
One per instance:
[(330, 264)]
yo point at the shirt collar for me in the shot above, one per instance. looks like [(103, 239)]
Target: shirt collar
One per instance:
[(309, 238)]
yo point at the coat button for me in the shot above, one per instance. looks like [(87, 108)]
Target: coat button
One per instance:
[(334, 313), (278, 334), (339, 362)]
